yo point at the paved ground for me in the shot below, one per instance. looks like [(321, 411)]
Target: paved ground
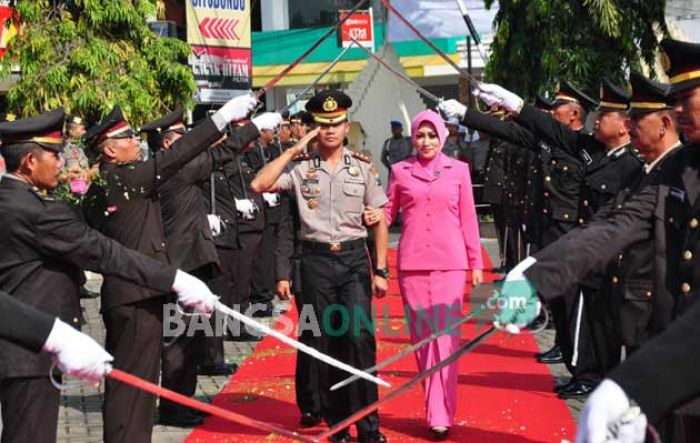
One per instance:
[(80, 418)]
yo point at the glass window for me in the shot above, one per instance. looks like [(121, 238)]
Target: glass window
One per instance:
[(306, 14)]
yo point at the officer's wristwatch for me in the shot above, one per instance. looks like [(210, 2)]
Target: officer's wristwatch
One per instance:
[(382, 272)]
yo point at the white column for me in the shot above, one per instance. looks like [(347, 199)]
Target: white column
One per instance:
[(275, 14)]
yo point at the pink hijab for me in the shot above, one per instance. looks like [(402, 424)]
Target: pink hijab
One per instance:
[(438, 123)]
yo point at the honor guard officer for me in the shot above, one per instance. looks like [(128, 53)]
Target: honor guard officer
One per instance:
[(126, 207), (44, 247), (190, 246), (671, 203), (332, 186)]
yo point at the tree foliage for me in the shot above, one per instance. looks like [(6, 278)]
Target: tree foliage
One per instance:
[(89, 55), (539, 41)]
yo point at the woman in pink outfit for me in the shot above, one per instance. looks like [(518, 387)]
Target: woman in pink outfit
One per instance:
[(439, 243)]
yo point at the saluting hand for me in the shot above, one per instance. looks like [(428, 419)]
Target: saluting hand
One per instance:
[(301, 144)]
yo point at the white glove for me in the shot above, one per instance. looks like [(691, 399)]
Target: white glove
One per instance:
[(193, 293), (452, 109), (271, 198), (607, 417), (493, 94), (268, 120), (214, 224), (76, 353), (234, 109)]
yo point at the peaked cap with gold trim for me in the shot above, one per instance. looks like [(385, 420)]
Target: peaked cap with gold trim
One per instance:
[(567, 93), (681, 61), (46, 130), (113, 125), (542, 102), (329, 107), (613, 98), (647, 95)]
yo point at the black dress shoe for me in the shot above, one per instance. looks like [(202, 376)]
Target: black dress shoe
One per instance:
[(558, 386), (439, 435), (182, 420), (202, 414), (553, 350), (372, 437), (552, 356), (309, 420), (575, 390), (263, 311), (340, 437), (223, 369)]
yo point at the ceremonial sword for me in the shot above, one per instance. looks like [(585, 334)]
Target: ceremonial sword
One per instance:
[(413, 348), (272, 82), (318, 79), (400, 75), (408, 385), (298, 345), (427, 41), (175, 397)]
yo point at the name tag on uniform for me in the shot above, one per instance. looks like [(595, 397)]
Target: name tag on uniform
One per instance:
[(676, 193), (306, 181), (586, 157), (545, 147)]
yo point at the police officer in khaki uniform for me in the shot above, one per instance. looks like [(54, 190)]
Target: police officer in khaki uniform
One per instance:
[(332, 186)]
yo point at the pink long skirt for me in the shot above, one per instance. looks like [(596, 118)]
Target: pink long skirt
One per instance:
[(432, 301)]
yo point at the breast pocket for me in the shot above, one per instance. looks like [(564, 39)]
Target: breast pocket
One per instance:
[(354, 194)]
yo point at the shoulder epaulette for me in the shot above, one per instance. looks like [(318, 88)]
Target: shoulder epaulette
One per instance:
[(42, 194), (301, 157), (361, 157)]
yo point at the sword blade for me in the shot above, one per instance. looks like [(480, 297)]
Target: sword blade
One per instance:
[(397, 73), (413, 348), (299, 346), (173, 396), (313, 47), (408, 385), (427, 41), (318, 79)]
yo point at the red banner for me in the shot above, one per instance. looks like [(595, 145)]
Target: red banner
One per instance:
[(9, 21)]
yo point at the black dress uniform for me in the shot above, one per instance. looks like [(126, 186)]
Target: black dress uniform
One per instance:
[(190, 244), (335, 266), (671, 206), (23, 325), (125, 206), (250, 224), (493, 191), (263, 283), (44, 246)]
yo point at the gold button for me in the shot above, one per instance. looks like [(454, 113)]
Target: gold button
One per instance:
[(687, 255), (602, 186), (566, 216), (548, 178), (545, 210), (553, 162), (585, 203), (615, 280), (670, 220), (619, 257), (75, 320), (565, 168), (581, 221), (685, 287), (546, 194), (162, 244), (648, 294), (693, 222)]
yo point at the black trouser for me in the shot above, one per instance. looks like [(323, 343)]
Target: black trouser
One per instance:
[(29, 410), (134, 338), (181, 356), (306, 371), (250, 242), (515, 246), (338, 286), (589, 337), (264, 279), (499, 222), (223, 286)]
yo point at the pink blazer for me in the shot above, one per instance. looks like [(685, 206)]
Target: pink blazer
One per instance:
[(440, 231)]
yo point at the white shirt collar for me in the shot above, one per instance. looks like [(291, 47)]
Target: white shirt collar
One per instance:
[(648, 167), (613, 151)]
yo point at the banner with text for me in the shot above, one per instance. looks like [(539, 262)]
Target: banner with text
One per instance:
[(359, 26), (221, 60)]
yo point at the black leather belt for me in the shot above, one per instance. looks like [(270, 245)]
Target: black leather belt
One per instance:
[(333, 246)]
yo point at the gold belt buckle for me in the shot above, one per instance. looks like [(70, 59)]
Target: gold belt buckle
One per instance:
[(336, 247)]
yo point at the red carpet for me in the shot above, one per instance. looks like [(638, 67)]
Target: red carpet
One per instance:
[(504, 395)]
